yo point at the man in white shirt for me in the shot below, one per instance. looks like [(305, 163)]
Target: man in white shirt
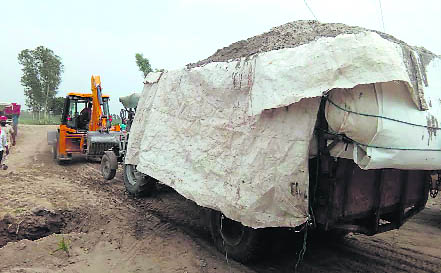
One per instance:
[(10, 134), (4, 148)]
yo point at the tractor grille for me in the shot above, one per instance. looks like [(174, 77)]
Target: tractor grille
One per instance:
[(98, 149), (99, 142)]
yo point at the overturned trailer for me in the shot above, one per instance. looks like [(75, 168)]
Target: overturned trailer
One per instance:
[(313, 124)]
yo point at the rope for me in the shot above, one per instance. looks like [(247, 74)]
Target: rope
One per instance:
[(349, 140), (382, 117), (223, 242), (303, 250), (396, 148)]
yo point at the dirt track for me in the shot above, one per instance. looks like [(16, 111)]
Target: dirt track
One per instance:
[(107, 231)]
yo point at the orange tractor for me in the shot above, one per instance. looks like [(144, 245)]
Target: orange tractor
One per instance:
[(86, 126)]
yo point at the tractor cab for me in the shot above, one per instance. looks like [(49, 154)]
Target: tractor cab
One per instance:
[(78, 111), (86, 126)]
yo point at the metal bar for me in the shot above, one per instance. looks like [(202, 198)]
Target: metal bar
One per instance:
[(322, 126), (426, 189), (330, 206), (379, 185), (403, 197), (349, 170), (352, 228), (332, 145), (367, 214)]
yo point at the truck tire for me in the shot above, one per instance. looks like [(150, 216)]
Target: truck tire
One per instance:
[(243, 244), (109, 164), (136, 183)]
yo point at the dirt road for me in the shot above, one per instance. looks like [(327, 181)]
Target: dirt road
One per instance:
[(43, 205)]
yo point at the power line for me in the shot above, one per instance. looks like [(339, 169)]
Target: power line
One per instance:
[(310, 10), (382, 18)]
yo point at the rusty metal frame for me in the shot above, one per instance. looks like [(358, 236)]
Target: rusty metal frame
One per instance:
[(376, 220)]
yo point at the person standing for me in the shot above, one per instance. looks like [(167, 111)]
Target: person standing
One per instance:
[(14, 127), (4, 148), (10, 134)]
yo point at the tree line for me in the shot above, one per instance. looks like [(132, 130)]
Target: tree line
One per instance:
[(42, 70)]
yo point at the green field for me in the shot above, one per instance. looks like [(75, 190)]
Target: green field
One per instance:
[(29, 118)]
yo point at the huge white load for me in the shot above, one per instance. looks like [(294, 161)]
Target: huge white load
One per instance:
[(234, 132)]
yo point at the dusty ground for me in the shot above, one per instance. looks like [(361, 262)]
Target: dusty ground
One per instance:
[(104, 230)]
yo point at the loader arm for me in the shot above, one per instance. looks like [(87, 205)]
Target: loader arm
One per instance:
[(97, 121)]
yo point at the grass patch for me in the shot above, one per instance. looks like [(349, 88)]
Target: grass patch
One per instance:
[(20, 210), (28, 118), (63, 245)]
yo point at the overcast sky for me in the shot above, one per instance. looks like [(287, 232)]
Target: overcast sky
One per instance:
[(102, 37)]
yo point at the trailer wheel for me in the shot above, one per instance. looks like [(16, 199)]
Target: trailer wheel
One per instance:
[(136, 183), (108, 165), (239, 242)]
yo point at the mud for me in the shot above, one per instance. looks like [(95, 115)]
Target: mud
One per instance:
[(40, 224)]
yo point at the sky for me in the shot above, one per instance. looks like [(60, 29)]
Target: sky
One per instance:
[(102, 37)]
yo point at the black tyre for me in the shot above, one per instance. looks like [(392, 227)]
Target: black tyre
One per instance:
[(54, 151), (108, 169), (55, 154), (136, 183), (237, 241)]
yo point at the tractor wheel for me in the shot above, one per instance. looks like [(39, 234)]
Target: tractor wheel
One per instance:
[(54, 151), (244, 244), (136, 183), (108, 169), (55, 154)]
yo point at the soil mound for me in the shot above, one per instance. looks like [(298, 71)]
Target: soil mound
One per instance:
[(40, 224), (290, 35)]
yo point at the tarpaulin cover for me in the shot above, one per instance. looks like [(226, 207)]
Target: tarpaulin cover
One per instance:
[(130, 101), (235, 136)]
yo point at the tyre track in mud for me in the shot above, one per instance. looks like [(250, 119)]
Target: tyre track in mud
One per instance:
[(357, 253), (161, 205), (413, 259), (384, 260), (163, 213)]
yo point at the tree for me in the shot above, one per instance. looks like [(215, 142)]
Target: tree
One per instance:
[(143, 64), (41, 76), (56, 105)]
